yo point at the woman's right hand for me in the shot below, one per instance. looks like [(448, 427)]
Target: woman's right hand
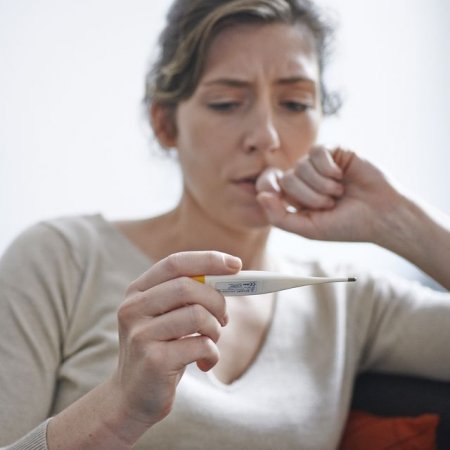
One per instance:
[(167, 321)]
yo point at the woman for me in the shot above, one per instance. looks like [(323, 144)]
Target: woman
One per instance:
[(238, 93)]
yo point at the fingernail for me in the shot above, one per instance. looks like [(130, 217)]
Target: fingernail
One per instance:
[(273, 180), (225, 319), (233, 262)]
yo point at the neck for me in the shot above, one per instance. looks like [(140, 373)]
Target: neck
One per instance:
[(188, 228)]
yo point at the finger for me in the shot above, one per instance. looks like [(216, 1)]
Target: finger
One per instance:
[(343, 158), (322, 160), (306, 171), (187, 264), (268, 180), (199, 349), (273, 206), (171, 295), (183, 322), (279, 216), (303, 194)]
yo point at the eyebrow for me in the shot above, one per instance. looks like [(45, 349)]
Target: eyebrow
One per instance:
[(234, 82), (296, 79)]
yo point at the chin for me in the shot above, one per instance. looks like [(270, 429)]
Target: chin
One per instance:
[(252, 217)]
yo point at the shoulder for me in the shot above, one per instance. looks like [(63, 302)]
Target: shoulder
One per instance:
[(66, 238), (82, 236), (42, 269), (59, 249)]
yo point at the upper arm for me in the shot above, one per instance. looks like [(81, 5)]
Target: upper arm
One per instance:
[(406, 328), (37, 279)]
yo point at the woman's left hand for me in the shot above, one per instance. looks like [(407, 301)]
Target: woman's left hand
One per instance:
[(337, 196)]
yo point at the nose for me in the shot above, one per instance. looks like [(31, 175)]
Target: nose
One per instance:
[(262, 133)]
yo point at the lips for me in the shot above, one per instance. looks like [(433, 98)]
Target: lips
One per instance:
[(247, 183), (247, 180)]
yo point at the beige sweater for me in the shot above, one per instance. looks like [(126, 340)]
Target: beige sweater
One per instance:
[(61, 283)]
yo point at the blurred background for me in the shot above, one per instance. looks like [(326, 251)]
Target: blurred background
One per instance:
[(73, 138)]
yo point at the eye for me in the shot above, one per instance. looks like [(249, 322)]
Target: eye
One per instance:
[(295, 106), (223, 106)]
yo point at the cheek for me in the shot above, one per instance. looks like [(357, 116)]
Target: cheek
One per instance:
[(198, 132), (198, 154), (301, 136), (190, 138)]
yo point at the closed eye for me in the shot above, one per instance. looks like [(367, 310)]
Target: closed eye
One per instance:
[(224, 106), (295, 106)]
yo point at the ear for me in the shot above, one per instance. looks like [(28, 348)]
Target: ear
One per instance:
[(163, 123)]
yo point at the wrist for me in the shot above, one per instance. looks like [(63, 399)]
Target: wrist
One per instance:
[(121, 421), (414, 232), (400, 227), (100, 420)]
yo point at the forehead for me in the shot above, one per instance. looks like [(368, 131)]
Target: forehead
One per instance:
[(274, 50)]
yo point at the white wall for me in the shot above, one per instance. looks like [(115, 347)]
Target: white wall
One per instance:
[(72, 139)]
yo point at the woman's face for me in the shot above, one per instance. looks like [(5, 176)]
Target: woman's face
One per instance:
[(257, 104)]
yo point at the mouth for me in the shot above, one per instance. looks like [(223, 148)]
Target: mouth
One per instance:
[(247, 184)]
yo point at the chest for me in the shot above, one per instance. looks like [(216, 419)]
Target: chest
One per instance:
[(242, 339), (294, 394)]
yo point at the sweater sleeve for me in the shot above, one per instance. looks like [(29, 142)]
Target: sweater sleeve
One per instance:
[(403, 326), (34, 440), (38, 283)]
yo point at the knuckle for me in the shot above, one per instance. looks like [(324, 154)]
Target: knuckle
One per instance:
[(215, 335), (208, 348), (169, 328), (204, 345), (155, 355), (125, 313), (138, 340), (183, 288), (197, 315), (131, 289), (173, 263), (213, 257), (222, 307), (207, 343)]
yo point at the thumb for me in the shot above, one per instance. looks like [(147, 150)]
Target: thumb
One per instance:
[(274, 207), (268, 180), (279, 216)]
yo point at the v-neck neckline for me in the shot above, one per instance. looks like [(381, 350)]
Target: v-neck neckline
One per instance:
[(257, 359), (265, 344)]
